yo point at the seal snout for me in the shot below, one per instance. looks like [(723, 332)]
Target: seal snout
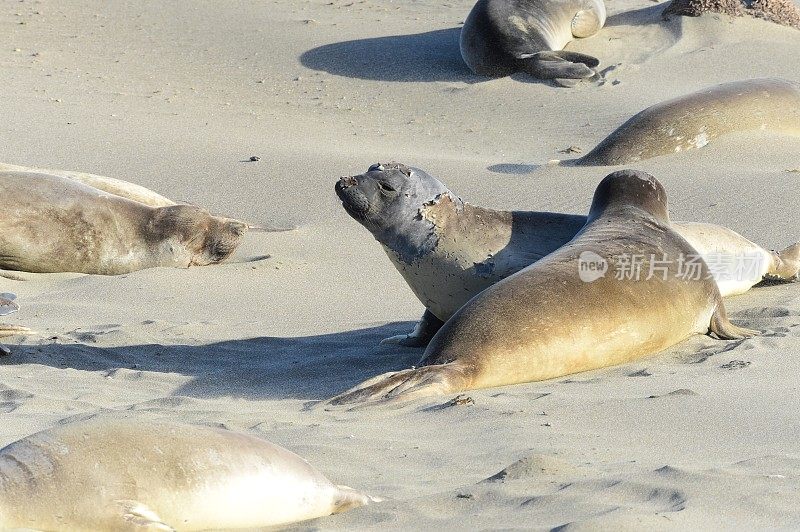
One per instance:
[(353, 198)]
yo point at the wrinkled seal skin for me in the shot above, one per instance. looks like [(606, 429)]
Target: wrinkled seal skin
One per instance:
[(501, 37), (124, 474), (51, 224), (545, 321), (448, 250), (694, 120)]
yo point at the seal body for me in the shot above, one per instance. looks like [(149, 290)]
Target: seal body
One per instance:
[(117, 187), (694, 120), (500, 37), (142, 475), (549, 320), (448, 251), (50, 223)]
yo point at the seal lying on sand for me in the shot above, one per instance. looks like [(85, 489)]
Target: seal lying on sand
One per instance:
[(784, 12), (117, 187), (694, 120), (549, 320), (448, 250), (501, 37), (144, 475), (54, 224)]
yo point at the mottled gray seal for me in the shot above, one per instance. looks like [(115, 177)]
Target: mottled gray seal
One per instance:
[(501, 37), (126, 474), (784, 12), (55, 224), (549, 320), (448, 250), (694, 120)]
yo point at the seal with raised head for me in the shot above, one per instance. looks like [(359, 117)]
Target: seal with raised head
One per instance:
[(56, 224), (501, 37), (692, 121), (556, 318), (448, 250), (128, 474)]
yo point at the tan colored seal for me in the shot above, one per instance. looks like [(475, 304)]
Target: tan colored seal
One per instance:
[(111, 185), (57, 224), (558, 316), (692, 121), (449, 250), (143, 475)]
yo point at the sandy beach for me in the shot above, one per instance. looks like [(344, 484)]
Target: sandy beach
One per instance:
[(178, 96)]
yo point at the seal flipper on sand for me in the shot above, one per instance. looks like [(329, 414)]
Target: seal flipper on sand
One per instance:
[(424, 330), (559, 64), (7, 304), (725, 330), (405, 385), (141, 517), (13, 330)]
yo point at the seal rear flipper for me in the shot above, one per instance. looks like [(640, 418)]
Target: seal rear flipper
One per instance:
[(347, 498), (786, 264), (13, 330), (555, 64), (406, 385), (139, 517), (725, 330)]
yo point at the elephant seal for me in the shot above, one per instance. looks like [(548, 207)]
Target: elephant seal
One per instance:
[(501, 37), (117, 187), (783, 12), (126, 474), (694, 120), (553, 319), (448, 250), (53, 224)]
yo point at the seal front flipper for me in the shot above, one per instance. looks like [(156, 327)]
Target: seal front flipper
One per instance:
[(725, 330), (138, 516), (7, 304), (554, 64), (420, 336), (406, 385)]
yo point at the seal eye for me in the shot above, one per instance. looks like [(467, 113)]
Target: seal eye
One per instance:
[(386, 187), (376, 166)]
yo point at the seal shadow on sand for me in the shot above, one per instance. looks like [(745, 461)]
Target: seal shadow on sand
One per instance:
[(309, 368), (429, 56)]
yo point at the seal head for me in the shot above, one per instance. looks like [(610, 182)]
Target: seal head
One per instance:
[(208, 239), (388, 200), (630, 189)]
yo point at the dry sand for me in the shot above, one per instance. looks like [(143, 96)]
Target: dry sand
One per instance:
[(175, 95)]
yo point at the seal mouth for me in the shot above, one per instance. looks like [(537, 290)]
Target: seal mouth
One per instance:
[(353, 200)]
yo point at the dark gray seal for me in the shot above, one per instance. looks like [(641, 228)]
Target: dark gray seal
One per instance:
[(501, 37)]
